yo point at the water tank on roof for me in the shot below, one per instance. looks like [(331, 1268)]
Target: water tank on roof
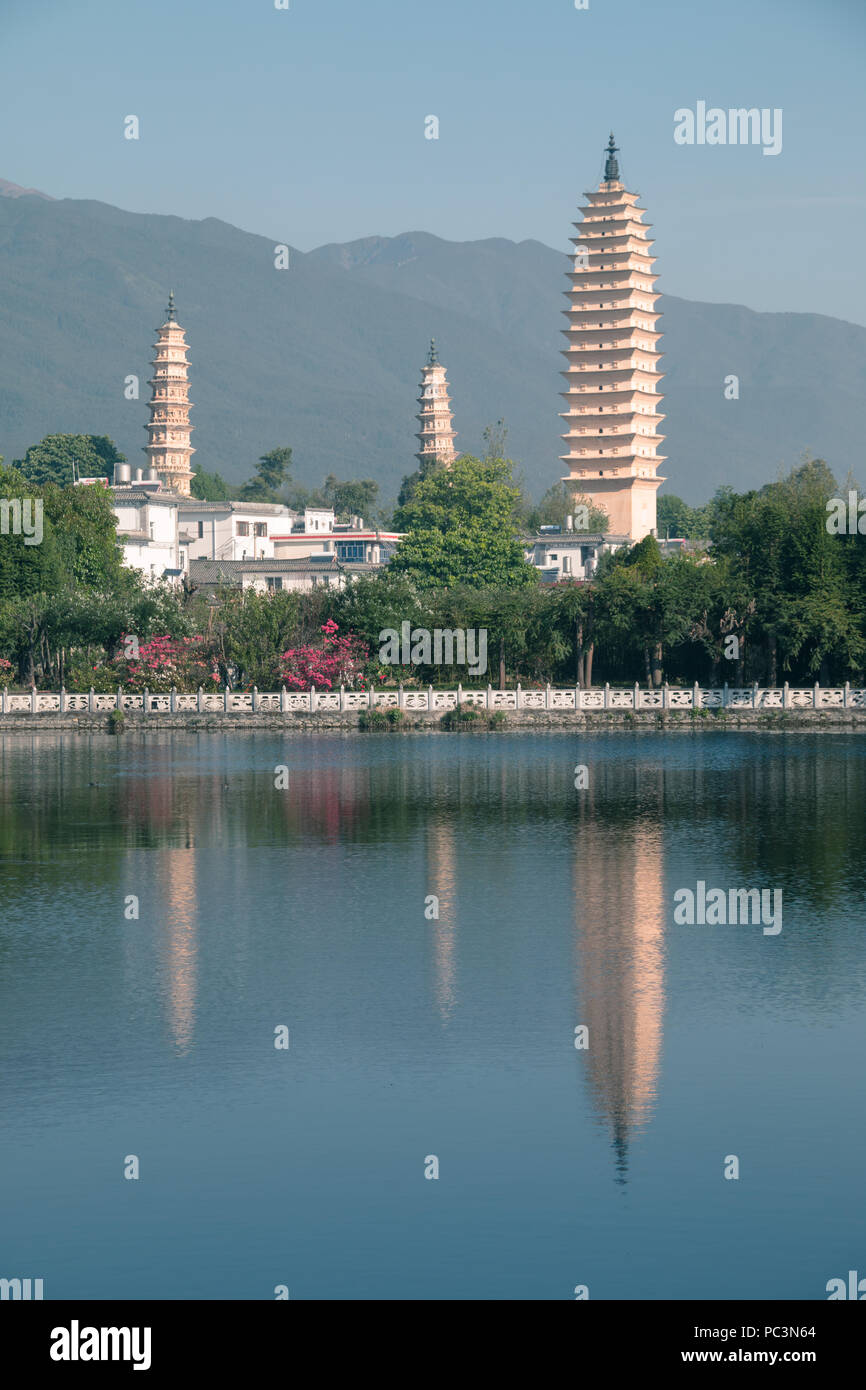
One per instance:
[(122, 474)]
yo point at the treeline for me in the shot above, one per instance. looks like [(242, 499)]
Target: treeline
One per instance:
[(778, 596)]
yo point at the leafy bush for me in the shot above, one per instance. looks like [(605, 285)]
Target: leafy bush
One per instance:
[(463, 717), (373, 721), (379, 720)]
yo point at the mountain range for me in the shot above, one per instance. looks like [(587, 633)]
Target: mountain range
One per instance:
[(326, 355)]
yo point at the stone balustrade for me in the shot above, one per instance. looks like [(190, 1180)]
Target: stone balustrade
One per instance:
[(599, 699)]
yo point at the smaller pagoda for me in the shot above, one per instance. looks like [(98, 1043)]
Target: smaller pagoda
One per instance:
[(436, 434), (168, 448)]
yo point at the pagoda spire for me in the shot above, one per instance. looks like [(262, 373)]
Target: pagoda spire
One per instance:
[(612, 376), (611, 163), (168, 431), (436, 434)]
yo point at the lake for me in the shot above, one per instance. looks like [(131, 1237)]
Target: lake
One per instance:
[(415, 1036)]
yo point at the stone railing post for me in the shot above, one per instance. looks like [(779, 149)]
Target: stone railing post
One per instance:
[(342, 698), (489, 705), (370, 698), (786, 696), (400, 695), (255, 699), (226, 701), (518, 696), (547, 696), (755, 695), (846, 694), (459, 693), (314, 699), (34, 700), (816, 696), (118, 704), (172, 700), (666, 699), (145, 701), (696, 697), (636, 695), (63, 699), (90, 695), (200, 700), (725, 696), (430, 697), (284, 700), (4, 700)]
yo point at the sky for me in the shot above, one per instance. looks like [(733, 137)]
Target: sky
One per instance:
[(307, 124)]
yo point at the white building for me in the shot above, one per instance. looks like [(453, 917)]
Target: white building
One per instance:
[(567, 554), (233, 530), (319, 533), (315, 571), (148, 532)]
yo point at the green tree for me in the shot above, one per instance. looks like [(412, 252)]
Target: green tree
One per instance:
[(52, 459), (83, 523), (352, 498), (676, 518), (412, 481), (461, 529), (807, 617), (558, 504), (252, 631), (272, 473), (210, 487)]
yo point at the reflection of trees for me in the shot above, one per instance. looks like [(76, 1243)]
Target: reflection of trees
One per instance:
[(777, 810)]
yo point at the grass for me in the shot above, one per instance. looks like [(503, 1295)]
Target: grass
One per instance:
[(467, 717), (381, 720)]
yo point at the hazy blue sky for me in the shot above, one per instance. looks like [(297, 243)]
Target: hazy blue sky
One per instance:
[(307, 125)]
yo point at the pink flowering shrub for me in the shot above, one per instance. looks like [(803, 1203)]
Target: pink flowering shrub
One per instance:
[(337, 661), (7, 673), (164, 662), (161, 663)]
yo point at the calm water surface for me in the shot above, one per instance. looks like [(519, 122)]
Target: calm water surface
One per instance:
[(413, 1037)]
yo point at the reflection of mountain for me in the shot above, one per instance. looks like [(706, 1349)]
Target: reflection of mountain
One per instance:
[(620, 917), (442, 881)]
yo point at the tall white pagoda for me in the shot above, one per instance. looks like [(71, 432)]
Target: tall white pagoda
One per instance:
[(612, 376), (436, 435), (168, 447)]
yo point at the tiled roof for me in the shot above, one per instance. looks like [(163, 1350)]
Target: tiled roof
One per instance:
[(193, 504), (580, 537), (213, 571), (140, 494)]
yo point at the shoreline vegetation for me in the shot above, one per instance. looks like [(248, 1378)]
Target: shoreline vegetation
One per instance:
[(771, 593)]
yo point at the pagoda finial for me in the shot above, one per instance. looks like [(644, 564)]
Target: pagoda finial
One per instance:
[(433, 354), (611, 164), (171, 311)]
